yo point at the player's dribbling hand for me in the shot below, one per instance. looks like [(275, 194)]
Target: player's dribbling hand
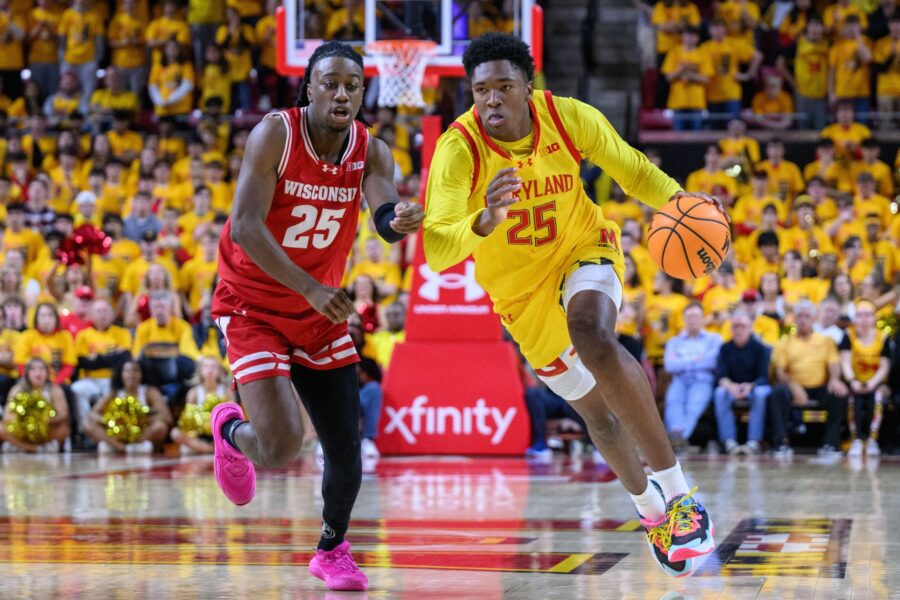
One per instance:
[(409, 216), (711, 199), (331, 302), (502, 192)]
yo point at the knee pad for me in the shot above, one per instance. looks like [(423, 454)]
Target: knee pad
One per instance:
[(567, 376), (599, 278)]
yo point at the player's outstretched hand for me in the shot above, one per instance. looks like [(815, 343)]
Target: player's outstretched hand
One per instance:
[(409, 217), (331, 302), (711, 199), (502, 192)]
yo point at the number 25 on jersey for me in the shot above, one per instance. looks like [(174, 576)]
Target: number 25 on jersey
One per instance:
[(319, 226)]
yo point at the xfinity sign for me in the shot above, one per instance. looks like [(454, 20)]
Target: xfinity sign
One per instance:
[(418, 418)]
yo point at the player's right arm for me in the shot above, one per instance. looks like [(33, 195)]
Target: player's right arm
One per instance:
[(252, 201), (451, 232)]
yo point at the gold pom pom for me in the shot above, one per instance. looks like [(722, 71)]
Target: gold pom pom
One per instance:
[(194, 421), (33, 414), (126, 418)]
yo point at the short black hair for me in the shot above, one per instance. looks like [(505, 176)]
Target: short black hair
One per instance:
[(767, 238), (327, 50), (499, 46)]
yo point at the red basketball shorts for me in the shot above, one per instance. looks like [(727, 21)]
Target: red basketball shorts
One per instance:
[(265, 345)]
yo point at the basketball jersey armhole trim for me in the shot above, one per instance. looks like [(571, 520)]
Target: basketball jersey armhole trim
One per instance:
[(476, 160), (286, 152), (551, 107)]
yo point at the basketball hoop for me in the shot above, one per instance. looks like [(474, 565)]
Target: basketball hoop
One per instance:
[(401, 69)]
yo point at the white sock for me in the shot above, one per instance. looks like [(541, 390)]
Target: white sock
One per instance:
[(650, 504), (672, 481)]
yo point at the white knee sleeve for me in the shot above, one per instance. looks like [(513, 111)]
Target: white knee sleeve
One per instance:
[(567, 376), (600, 278)]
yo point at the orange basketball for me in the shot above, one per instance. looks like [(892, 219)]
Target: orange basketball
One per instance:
[(689, 238)]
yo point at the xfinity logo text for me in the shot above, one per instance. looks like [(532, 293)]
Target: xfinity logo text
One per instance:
[(417, 419)]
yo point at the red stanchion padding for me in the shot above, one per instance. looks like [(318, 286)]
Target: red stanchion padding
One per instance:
[(453, 398)]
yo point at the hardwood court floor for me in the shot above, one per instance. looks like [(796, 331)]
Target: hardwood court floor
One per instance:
[(82, 526)]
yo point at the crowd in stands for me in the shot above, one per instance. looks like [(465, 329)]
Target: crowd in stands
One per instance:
[(131, 116), (781, 64)]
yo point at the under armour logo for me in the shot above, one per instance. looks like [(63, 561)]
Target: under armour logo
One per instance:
[(329, 169), (528, 162), (431, 289)]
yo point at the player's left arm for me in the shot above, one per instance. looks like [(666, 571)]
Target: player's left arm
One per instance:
[(394, 218), (599, 142)]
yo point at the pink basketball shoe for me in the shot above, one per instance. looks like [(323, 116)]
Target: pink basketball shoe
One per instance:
[(234, 471), (338, 569)]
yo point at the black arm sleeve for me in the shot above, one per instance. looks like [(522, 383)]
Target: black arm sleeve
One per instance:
[(382, 218)]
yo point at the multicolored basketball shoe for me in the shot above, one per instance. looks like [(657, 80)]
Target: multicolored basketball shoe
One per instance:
[(690, 527), (659, 539)]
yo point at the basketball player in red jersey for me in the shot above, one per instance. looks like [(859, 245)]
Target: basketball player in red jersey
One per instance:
[(279, 302)]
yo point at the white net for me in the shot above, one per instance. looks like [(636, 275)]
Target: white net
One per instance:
[(401, 68)]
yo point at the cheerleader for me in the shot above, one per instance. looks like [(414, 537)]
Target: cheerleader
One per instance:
[(192, 432), (36, 418), (133, 418)]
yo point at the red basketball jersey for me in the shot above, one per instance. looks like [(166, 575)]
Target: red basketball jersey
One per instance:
[(314, 214)]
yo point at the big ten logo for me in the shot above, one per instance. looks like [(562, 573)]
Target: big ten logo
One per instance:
[(435, 282), (608, 238), (483, 493), (549, 149)]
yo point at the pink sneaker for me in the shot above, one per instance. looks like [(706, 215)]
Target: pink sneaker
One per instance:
[(234, 471), (338, 569)]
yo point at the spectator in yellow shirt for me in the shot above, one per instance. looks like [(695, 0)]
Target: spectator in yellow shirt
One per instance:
[(748, 209), (216, 79), (688, 70), (197, 274), (380, 345), (853, 264), (47, 341), (385, 274), (867, 201), (20, 237), (848, 72), (808, 371), (402, 160), (12, 56), (43, 45), (785, 180), (171, 82), (723, 92), (126, 38), (879, 170), (837, 14), (741, 18), (768, 261), (847, 222), (81, 34), (773, 108), (805, 236), (67, 98), (881, 251), (836, 174), (886, 57), (271, 84), (711, 179), (237, 39), (738, 144), (125, 144), (113, 97), (167, 27), (164, 346), (100, 348), (846, 133), (811, 76)]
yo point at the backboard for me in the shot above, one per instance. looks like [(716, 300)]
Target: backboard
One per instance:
[(449, 24)]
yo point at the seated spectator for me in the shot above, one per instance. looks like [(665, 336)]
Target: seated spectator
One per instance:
[(36, 378), (773, 107), (806, 237), (18, 236), (133, 276), (854, 263), (711, 179), (770, 297), (721, 297), (164, 346), (865, 368), (747, 213), (370, 399), (886, 58), (380, 344), (385, 274), (768, 261), (764, 327), (127, 380), (742, 373), (848, 68), (197, 274), (142, 221), (870, 164), (156, 279), (738, 145), (126, 145), (65, 100), (723, 93), (47, 341), (836, 174), (688, 69), (77, 319), (101, 349), (543, 404), (690, 359), (808, 371), (785, 179), (213, 385), (663, 311), (171, 82), (843, 292), (868, 202), (402, 160), (366, 300), (745, 247)]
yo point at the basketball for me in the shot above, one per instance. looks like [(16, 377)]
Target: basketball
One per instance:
[(689, 238)]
